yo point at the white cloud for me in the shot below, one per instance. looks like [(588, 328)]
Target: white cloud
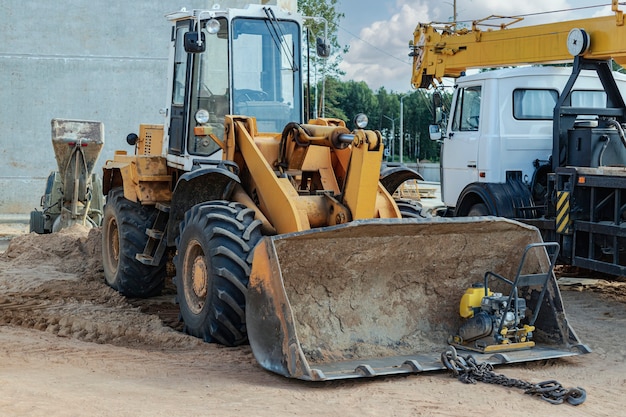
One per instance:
[(380, 57)]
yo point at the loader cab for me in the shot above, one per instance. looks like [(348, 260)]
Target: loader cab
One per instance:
[(237, 61)]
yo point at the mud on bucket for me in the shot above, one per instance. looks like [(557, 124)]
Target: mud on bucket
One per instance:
[(381, 297)]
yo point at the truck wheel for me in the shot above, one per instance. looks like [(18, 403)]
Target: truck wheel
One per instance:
[(213, 265), (478, 209), (124, 236)]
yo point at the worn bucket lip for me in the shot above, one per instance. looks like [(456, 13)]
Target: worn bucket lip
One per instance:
[(502, 221), (415, 364)]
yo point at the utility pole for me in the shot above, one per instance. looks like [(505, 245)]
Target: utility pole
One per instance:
[(454, 16), (393, 132), (401, 129), (454, 11)]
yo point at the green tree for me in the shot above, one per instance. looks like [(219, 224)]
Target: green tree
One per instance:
[(327, 10), (356, 97), (418, 115), (334, 99)]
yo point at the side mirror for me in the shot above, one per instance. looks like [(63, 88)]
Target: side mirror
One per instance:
[(192, 45), (437, 99), (323, 47), (434, 132)]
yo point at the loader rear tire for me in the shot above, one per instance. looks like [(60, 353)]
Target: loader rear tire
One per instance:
[(213, 263), (123, 236), (410, 209)]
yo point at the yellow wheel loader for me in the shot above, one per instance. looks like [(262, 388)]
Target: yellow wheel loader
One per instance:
[(280, 230)]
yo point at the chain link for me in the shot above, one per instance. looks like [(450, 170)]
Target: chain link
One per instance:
[(468, 371)]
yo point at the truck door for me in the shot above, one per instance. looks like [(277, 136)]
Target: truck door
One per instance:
[(459, 157), (178, 109)]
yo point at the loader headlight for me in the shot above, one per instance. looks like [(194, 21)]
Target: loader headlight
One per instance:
[(212, 26), (202, 116), (361, 120)]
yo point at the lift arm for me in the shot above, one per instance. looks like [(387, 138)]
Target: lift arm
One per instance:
[(444, 51)]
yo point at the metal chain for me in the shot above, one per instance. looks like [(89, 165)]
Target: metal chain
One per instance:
[(468, 371)]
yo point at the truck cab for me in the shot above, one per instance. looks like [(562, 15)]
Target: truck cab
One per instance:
[(496, 151)]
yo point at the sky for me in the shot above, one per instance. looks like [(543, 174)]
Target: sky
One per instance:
[(378, 31)]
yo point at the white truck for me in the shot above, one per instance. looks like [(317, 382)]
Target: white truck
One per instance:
[(499, 136)]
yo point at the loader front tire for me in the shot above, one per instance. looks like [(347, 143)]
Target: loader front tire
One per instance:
[(123, 236), (213, 263)]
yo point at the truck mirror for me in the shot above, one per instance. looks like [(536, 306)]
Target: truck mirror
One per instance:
[(438, 115), (323, 47), (437, 99), (192, 45), (434, 132)]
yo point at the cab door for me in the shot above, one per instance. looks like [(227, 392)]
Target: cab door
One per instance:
[(459, 158), (180, 91)]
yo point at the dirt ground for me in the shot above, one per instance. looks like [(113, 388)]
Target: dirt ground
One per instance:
[(71, 346)]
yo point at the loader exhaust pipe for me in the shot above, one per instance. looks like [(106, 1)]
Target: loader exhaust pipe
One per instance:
[(381, 297)]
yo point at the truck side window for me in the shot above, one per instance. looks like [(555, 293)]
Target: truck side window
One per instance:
[(534, 104), (467, 109), (588, 98)]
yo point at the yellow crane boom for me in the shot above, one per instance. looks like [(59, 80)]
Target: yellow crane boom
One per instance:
[(444, 51)]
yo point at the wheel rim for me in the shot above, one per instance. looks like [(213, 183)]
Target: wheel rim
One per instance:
[(113, 246), (195, 277)]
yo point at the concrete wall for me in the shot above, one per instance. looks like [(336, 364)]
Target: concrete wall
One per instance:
[(75, 59)]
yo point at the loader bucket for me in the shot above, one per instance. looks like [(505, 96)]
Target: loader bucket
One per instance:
[(381, 297)]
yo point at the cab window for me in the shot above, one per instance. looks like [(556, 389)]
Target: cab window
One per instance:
[(534, 104), (467, 109)]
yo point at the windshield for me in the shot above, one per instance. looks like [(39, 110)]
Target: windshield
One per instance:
[(266, 78)]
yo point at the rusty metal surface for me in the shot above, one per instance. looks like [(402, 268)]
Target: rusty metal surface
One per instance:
[(380, 297)]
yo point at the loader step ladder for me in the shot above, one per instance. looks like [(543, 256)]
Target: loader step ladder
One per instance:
[(541, 280), (155, 246)]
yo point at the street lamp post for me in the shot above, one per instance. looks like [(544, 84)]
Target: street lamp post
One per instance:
[(393, 132), (401, 129)]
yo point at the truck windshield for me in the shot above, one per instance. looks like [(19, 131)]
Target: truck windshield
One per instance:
[(266, 75)]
